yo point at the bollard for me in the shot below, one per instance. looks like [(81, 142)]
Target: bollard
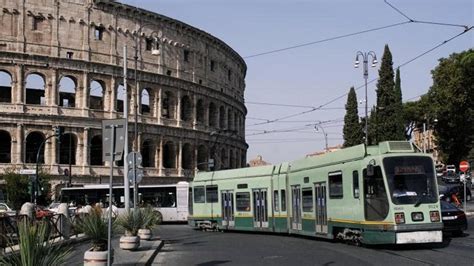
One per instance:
[(64, 225)]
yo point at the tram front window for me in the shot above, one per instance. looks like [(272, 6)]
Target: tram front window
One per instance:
[(411, 180)]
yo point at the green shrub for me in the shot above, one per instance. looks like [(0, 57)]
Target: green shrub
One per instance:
[(94, 226), (132, 221)]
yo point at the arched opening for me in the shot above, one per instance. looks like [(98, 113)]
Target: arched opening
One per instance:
[(120, 98), (95, 153), (236, 117), (230, 120), (203, 158), (96, 95), (35, 90), (145, 107), (168, 105), (148, 154), (169, 155), (222, 118), (232, 159), (224, 159), (186, 109), (212, 115), (67, 92), (33, 143), (67, 149), (5, 87), (5, 147), (200, 111), (187, 156)]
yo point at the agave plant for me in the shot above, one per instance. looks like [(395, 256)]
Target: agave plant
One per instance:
[(132, 221), (95, 227), (36, 247), (152, 218)]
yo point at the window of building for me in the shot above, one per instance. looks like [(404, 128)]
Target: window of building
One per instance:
[(211, 194), (213, 65), (199, 195), (229, 74), (99, 33), (275, 200), (69, 55), (307, 200), (242, 201), (335, 185), (355, 184), (283, 200), (168, 72), (37, 21), (186, 55)]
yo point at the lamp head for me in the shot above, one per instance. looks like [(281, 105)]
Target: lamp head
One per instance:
[(356, 63)]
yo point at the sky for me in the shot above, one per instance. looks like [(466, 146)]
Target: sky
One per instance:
[(308, 84), (296, 81)]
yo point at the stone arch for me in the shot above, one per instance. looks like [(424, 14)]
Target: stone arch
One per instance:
[(35, 89), (187, 156), (186, 108), (200, 111), (236, 122), (67, 148), (224, 159), (232, 159), (230, 120), (96, 94), (5, 147), (148, 153), (168, 105), (120, 98), (95, 152), (5, 86), (212, 115), (169, 155), (145, 106), (67, 91), (222, 124), (33, 143), (203, 157)]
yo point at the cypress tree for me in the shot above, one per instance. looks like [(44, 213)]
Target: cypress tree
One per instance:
[(353, 134), (399, 133), (388, 123)]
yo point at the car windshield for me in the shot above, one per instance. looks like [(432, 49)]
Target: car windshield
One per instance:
[(411, 179), (446, 206)]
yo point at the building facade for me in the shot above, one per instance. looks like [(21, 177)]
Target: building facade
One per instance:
[(61, 66)]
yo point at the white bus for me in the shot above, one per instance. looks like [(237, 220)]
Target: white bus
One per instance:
[(170, 200)]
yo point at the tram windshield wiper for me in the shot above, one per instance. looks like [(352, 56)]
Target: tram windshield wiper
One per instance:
[(420, 199)]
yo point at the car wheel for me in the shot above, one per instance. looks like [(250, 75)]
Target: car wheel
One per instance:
[(458, 233)]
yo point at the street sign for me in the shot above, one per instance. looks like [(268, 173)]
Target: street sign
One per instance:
[(463, 166), (138, 158), (27, 171), (139, 173), (118, 125)]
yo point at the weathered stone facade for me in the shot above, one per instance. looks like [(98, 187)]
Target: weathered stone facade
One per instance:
[(64, 63)]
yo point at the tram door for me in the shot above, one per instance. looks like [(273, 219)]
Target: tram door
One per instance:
[(260, 209), (227, 207), (321, 208), (296, 207)]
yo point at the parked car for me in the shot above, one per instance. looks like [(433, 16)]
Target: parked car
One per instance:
[(42, 212), (450, 177), (454, 219), (5, 210), (446, 191)]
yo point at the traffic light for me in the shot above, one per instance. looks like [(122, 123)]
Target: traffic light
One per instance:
[(58, 131)]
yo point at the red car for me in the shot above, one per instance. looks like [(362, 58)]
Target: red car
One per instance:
[(42, 212)]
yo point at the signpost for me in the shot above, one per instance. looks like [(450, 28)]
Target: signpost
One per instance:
[(463, 167), (135, 160), (113, 134)]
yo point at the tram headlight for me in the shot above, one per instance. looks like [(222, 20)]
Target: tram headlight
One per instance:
[(399, 218), (434, 216), (417, 216)]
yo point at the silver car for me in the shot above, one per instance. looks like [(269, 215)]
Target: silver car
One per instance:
[(4, 209)]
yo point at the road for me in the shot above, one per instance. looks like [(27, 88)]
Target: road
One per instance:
[(185, 246)]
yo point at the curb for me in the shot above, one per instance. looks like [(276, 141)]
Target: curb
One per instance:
[(150, 255)]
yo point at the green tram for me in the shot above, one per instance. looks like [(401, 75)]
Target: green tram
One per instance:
[(384, 194)]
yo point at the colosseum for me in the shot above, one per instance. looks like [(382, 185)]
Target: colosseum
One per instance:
[(61, 67)]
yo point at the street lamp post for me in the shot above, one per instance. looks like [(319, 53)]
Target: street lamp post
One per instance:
[(365, 57), (155, 51), (319, 126)]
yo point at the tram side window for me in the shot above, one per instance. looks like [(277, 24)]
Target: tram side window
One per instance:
[(283, 200), (275, 200), (355, 184), (335, 185), (242, 201), (199, 196), (211, 194), (307, 200), (190, 201)]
